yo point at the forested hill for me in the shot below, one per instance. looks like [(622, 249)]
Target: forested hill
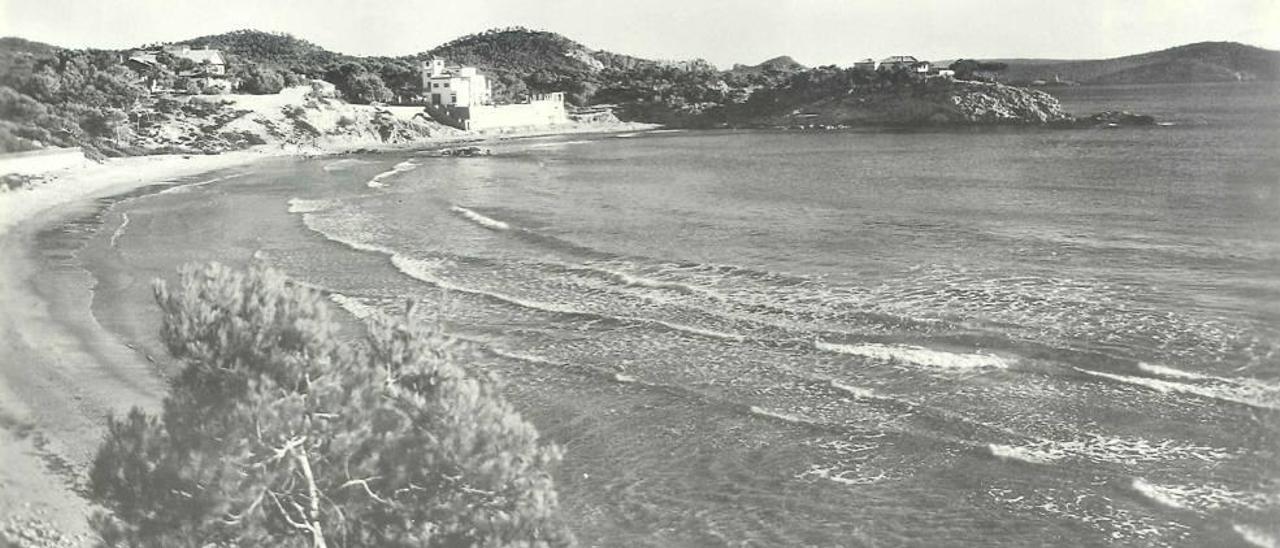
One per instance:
[(270, 48), (524, 61), (1200, 62)]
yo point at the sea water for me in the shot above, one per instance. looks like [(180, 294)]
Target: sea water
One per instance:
[(1001, 337)]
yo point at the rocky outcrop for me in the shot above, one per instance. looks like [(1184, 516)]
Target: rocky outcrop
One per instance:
[(924, 102), (937, 101), (992, 103)]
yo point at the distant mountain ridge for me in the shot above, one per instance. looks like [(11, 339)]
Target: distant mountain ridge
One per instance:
[(1199, 62)]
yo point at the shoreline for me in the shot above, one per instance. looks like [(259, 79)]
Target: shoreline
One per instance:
[(63, 373)]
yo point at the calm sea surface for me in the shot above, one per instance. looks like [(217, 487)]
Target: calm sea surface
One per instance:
[(968, 338)]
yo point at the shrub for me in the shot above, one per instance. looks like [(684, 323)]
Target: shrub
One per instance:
[(261, 80), (276, 433)]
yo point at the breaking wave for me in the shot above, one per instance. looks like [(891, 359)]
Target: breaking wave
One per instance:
[(1251, 392), (487, 222), (916, 355), (1203, 497), (1020, 453), (1256, 536), (1098, 448), (376, 181), (1165, 371)]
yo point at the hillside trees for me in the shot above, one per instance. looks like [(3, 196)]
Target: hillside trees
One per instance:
[(357, 84), (276, 433), (259, 80), (83, 98)]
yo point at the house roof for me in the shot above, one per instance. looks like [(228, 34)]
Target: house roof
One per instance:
[(899, 59), (867, 60), (213, 56), (147, 59)]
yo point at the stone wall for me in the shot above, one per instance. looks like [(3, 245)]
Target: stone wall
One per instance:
[(534, 113)]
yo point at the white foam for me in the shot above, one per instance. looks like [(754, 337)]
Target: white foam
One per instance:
[(300, 205), (650, 283), (792, 419), (1030, 455), (917, 355), (376, 181), (1097, 448), (354, 306), (1250, 392), (1204, 497), (487, 222), (1161, 495), (843, 477), (124, 221), (1165, 371), (855, 391), (1256, 536)]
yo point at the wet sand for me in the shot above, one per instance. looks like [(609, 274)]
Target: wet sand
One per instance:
[(61, 373)]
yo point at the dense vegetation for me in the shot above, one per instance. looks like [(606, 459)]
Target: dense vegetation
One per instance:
[(58, 97), (277, 433)]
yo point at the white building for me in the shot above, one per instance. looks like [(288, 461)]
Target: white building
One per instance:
[(454, 86)]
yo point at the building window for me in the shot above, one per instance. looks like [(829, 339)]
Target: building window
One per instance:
[(435, 85), (446, 84)]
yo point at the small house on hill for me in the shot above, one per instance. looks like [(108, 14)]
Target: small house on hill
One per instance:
[(904, 63), (210, 61), (866, 64)]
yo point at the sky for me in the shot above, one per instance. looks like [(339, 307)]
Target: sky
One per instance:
[(721, 31)]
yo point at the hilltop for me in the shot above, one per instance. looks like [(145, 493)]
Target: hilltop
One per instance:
[(269, 48), (1200, 62), (781, 64)]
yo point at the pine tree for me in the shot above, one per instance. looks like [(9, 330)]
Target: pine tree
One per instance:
[(277, 433)]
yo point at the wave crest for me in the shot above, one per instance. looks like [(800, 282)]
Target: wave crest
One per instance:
[(487, 222), (917, 355)]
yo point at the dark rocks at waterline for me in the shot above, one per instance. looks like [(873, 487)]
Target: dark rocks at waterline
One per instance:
[(1111, 119)]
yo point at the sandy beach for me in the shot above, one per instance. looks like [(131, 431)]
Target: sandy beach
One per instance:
[(62, 373)]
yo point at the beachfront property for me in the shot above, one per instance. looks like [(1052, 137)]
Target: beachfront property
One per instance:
[(462, 97), (209, 70), (209, 62), (904, 63), (454, 86)]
